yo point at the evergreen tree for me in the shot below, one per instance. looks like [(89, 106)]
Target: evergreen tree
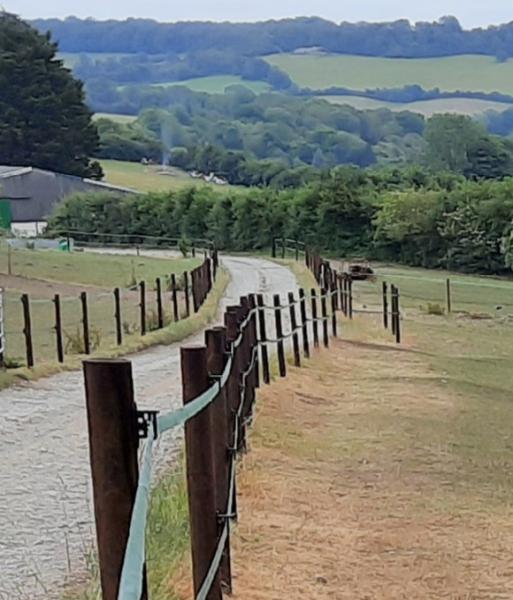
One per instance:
[(44, 121)]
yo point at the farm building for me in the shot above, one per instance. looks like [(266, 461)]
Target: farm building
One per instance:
[(29, 195)]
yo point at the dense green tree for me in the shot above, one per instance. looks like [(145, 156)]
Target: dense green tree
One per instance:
[(43, 118)]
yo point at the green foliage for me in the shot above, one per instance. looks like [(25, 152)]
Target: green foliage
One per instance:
[(410, 216), (43, 119)]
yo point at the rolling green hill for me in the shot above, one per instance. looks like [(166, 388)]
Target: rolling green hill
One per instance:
[(466, 73), (217, 84), (428, 108)]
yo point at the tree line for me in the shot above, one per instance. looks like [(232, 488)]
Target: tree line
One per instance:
[(445, 37), (405, 215)]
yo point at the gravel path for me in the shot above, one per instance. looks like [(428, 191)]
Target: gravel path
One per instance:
[(45, 497)]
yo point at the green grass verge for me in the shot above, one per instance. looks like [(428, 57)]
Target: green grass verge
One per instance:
[(134, 343), (467, 72)]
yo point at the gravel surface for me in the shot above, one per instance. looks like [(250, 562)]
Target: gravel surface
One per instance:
[(46, 525)]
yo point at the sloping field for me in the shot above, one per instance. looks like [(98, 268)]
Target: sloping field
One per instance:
[(149, 178), (428, 108), (217, 84), (467, 73), (383, 472)]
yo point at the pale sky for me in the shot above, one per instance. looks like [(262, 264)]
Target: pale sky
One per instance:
[(471, 13)]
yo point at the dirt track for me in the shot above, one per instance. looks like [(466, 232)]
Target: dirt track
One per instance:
[(45, 508)]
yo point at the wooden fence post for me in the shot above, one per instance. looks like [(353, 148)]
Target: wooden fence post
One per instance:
[(117, 316), (273, 249), (201, 484), (333, 294), (231, 319), (283, 247), (58, 328), (279, 336), (324, 312), (392, 307), (350, 297), (160, 311), (85, 323), (215, 340), (187, 294), (297, 250), (142, 306), (113, 443), (397, 317), (254, 340), (263, 339), (385, 305), (315, 323), (304, 322), (174, 298), (448, 293), (293, 326), (27, 330)]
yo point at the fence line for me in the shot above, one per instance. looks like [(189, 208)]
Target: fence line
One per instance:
[(87, 337), (219, 383)]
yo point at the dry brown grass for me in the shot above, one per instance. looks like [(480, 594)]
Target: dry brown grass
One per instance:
[(355, 487)]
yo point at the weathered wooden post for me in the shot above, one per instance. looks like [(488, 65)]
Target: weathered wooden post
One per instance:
[(324, 310), (254, 341), (174, 298), (293, 326), (333, 295), (448, 294), (58, 328), (350, 297), (27, 330), (85, 323), (315, 323), (385, 305), (304, 322), (393, 311), (142, 306), (215, 340), (279, 336), (263, 339), (117, 316), (201, 482), (113, 444), (186, 291), (160, 311), (283, 247)]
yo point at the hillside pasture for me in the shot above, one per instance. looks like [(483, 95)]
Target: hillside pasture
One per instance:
[(466, 72), (217, 84), (150, 178), (428, 108), (117, 118)]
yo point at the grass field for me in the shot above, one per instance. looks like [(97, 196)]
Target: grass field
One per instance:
[(124, 119), (149, 178), (217, 84), (41, 274), (428, 108), (467, 73)]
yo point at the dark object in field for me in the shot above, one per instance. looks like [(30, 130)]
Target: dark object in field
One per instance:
[(360, 270)]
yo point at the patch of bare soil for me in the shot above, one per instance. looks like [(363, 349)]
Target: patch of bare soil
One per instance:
[(351, 491)]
